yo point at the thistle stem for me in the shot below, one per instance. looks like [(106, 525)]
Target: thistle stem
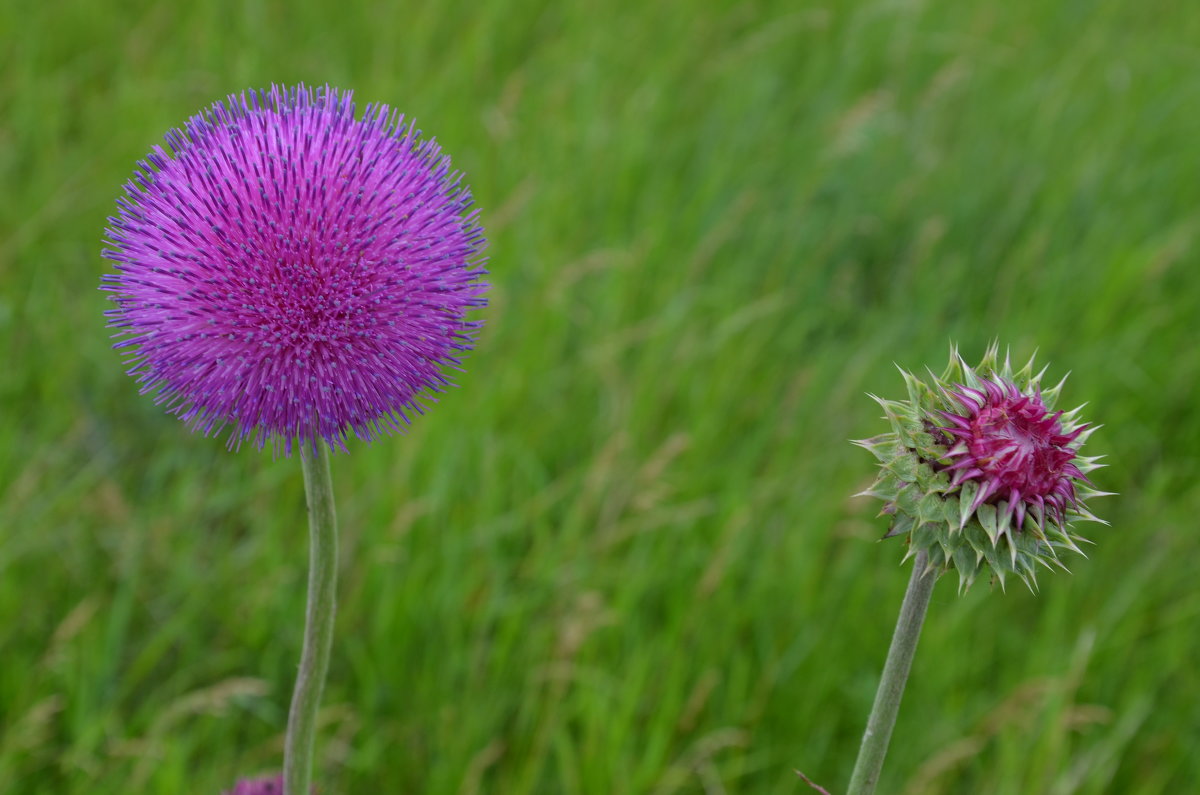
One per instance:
[(891, 684), (318, 625)]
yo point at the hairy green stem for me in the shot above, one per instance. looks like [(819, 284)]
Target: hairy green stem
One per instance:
[(318, 624), (891, 684)]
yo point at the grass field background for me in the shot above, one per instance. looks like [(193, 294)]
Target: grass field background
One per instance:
[(622, 557)]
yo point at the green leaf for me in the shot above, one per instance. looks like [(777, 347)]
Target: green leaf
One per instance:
[(987, 519), (902, 524), (965, 561), (906, 499), (904, 466), (930, 509), (966, 497), (951, 512)]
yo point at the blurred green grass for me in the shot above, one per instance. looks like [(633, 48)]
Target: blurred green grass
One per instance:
[(622, 558)]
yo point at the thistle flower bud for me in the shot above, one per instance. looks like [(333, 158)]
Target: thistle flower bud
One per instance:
[(980, 472)]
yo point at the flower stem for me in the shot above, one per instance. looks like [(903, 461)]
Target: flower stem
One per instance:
[(891, 684), (318, 626)]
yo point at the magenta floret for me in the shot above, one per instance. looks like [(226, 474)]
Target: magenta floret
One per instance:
[(1014, 447), (272, 785)]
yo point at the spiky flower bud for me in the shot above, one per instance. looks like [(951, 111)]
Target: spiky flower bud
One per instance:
[(980, 472)]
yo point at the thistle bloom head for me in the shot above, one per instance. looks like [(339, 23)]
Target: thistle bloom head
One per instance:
[(292, 272), (258, 786), (980, 472)]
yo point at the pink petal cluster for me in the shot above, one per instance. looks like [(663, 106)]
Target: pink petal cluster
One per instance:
[(294, 272), (272, 785), (1014, 448)]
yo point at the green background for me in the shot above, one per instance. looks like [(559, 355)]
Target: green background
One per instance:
[(622, 557)]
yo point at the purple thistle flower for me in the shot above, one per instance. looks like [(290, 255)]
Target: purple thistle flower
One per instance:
[(258, 786), (1014, 447), (294, 272)]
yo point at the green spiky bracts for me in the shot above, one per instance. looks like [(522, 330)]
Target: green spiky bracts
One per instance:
[(980, 472)]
